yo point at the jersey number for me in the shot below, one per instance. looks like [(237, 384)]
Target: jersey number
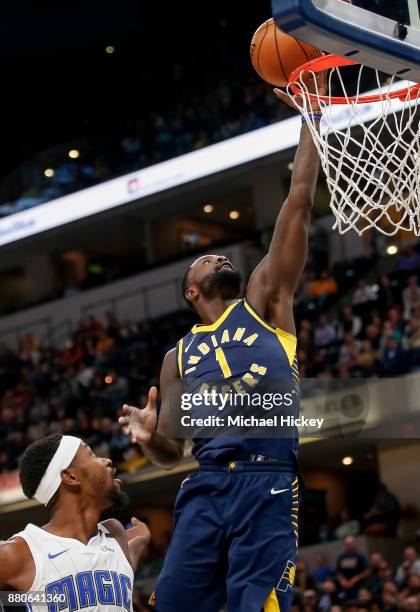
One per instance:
[(221, 359)]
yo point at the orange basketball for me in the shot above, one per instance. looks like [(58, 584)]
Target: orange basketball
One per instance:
[(275, 54)]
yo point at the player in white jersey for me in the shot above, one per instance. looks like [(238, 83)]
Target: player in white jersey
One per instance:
[(73, 562)]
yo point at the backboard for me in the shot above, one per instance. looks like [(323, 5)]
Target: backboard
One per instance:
[(382, 34)]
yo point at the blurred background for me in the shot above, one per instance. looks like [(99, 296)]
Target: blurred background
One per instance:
[(134, 138)]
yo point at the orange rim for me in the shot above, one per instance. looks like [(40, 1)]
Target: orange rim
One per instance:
[(325, 62)]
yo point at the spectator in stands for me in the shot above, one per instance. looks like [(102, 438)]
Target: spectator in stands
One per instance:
[(305, 343), (349, 322), (389, 599), (384, 515), (411, 604), (91, 328), (411, 297), (323, 288), (392, 358), (367, 359), (363, 294), (112, 325), (394, 316), (104, 344), (364, 597), (411, 563), (373, 334), (411, 590), (322, 570), (383, 576), (324, 534), (309, 601), (409, 260), (375, 561), (319, 364), (328, 597), (351, 569), (411, 339), (384, 295), (29, 348), (389, 331), (406, 568), (347, 526), (349, 351), (325, 333)]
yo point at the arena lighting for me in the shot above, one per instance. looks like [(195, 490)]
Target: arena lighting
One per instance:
[(74, 153), (234, 214), (166, 175), (208, 208), (109, 49), (347, 460), (49, 172), (392, 249)]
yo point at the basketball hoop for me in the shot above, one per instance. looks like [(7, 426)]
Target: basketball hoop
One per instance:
[(369, 146)]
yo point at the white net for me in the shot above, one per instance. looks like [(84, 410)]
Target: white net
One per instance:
[(370, 153)]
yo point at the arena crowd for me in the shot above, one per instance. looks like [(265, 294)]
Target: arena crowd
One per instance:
[(354, 581), (79, 389), (222, 109)]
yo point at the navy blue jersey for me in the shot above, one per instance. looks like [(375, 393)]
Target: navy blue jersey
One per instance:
[(247, 355)]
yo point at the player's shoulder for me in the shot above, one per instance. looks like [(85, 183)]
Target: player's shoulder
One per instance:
[(114, 526), (15, 546), (117, 531), (169, 364), (14, 555)]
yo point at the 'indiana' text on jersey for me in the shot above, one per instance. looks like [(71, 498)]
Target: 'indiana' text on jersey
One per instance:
[(89, 589), (243, 353)]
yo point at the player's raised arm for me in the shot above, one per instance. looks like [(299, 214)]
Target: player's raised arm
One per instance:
[(273, 283), (140, 424)]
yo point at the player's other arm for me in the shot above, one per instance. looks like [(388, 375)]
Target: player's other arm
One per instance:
[(17, 567), (140, 424), (134, 541), (273, 283)]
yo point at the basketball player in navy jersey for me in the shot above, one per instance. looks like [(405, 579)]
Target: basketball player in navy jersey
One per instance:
[(73, 562), (236, 519)]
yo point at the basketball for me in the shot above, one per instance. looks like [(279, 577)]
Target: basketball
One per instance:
[(275, 54)]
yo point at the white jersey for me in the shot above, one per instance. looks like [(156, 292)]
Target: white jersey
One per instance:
[(89, 577)]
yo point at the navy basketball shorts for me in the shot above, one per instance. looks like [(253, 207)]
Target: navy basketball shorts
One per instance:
[(234, 541)]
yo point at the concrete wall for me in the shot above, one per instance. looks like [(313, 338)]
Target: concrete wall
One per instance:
[(149, 294), (400, 470)]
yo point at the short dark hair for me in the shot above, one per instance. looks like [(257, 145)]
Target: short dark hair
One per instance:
[(184, 287), (34, 462)]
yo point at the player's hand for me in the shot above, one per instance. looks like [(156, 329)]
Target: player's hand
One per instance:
[(140, 423), (138, 529), (320, 88)]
